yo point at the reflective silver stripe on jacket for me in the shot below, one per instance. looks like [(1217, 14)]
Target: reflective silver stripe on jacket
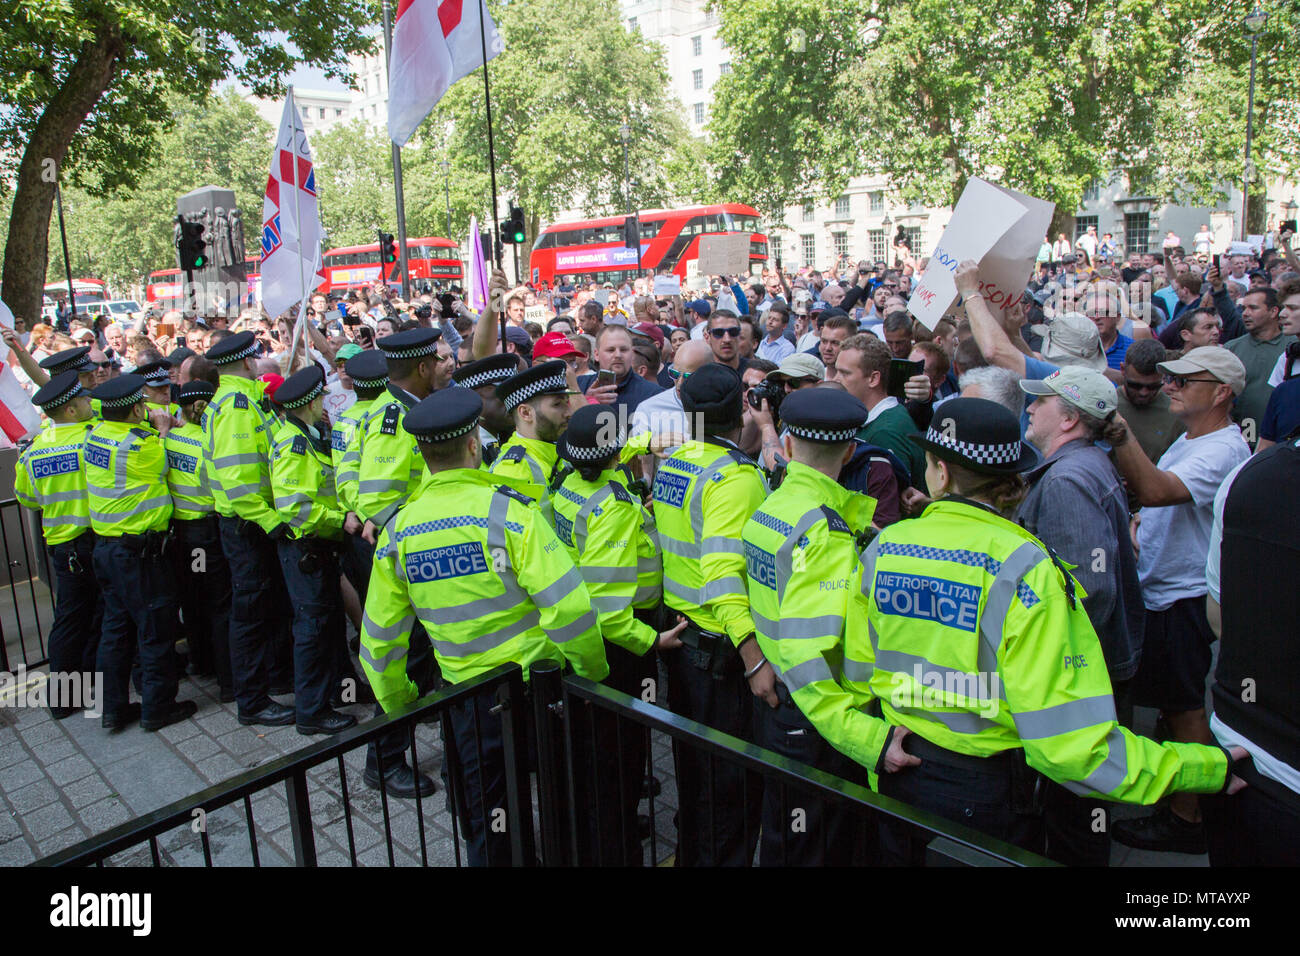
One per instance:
[(1112, 771)]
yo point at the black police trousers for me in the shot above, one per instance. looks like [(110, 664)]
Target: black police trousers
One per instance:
[(718, 804), (1257, 826), (609, 766), (204, 578), (311, 576), (78, 607), (259, 614), (977, 792), (799, 827), (140, 595), (475, 764), (422, 669)]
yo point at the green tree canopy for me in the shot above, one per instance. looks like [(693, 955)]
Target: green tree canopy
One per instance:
[(84, 85)]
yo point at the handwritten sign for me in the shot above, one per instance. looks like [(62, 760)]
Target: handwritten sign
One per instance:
[(725, 255), (535, 313), (669, 285), (984, 216)]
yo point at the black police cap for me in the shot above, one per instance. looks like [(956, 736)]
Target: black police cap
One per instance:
[(59, 390), (197, 390), (368, 369), (714, 392), (233, 348), (492, 370), (444, 415), (548, 378), (74, 360), (980, 435), (415, 343), (301, 388), (823, 415), (593, 434), (120, 392), (155, 372)]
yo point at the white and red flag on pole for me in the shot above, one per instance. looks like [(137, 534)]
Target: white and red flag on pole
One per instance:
[(291, 229), (18, 416), (435, 43)]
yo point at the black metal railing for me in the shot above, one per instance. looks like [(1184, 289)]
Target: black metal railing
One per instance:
[(581, 818), (291, 772), (29, 584), (571, 705)]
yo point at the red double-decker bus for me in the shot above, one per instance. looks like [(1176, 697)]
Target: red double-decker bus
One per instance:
[(430, 258), (593, 249)]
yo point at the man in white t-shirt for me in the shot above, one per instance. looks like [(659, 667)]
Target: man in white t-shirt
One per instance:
[(1088, 243), (1203, 241), (1173, 538)]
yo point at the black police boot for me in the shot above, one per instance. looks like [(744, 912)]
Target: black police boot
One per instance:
[(226, 695), (120, 721), (273, 715), (1163, 831), (178, 711), (326, 722), (401, 781)]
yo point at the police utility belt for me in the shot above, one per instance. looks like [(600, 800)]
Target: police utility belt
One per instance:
[(1025, 784), (151, 544), (710, 651)]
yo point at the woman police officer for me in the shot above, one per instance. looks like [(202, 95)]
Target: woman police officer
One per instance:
[(612, 539), (973, 637)]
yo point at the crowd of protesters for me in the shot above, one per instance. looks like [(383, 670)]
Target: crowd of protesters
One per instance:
[(1145, 383)]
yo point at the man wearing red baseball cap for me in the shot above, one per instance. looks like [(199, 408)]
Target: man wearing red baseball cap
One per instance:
[(556, 345)]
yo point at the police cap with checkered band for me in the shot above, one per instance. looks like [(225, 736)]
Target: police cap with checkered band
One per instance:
[(823, 415), (368, 369), (412, 344), (75, 360), (233, 348), (548, 378), (301, 388), (978, 434), (59, 390), (492, 370), (444, 415), (592, 435)]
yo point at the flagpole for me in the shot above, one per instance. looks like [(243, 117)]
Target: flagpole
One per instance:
[(300, 327), (397, 167), (492, 161)]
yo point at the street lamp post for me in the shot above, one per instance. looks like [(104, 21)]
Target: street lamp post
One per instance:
[(446, 173), (625, 134), (1254, 24)]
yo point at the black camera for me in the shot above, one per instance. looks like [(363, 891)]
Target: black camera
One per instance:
[(766, 390), (423, 312)]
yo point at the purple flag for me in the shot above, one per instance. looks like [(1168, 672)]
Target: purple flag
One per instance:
[(478, 274)]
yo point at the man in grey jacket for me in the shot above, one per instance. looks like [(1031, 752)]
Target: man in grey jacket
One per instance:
[(1077, 506)]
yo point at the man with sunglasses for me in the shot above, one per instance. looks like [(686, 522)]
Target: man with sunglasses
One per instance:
[(1143, 402), (723, 331), (1177, 496)]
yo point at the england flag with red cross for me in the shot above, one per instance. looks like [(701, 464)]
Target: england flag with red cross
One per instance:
[(291, 229)]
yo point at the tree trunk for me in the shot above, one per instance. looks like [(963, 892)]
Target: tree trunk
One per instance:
[(26, 250)]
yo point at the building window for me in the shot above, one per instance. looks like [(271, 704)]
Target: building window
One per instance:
[(724, 68), (840, 240), (877, 203), (913, 234), (699, 113), (1081, 224), (322, 112), (842, 207), (879, 245), (631, 23), (808, 246), (1092, 193), (808, 212), (697, 79), (697, 46), (1137, 232), (338, 112)]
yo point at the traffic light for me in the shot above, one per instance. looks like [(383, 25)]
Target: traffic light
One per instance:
[(632, 232), (512, 229), (387, 248), (191, 247), (485, 241)]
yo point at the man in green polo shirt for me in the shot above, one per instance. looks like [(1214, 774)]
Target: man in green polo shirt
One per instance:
[(1258, 350), (862, 367)]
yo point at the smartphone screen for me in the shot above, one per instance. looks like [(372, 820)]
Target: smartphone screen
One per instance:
[(900, 370), (605, 377)]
